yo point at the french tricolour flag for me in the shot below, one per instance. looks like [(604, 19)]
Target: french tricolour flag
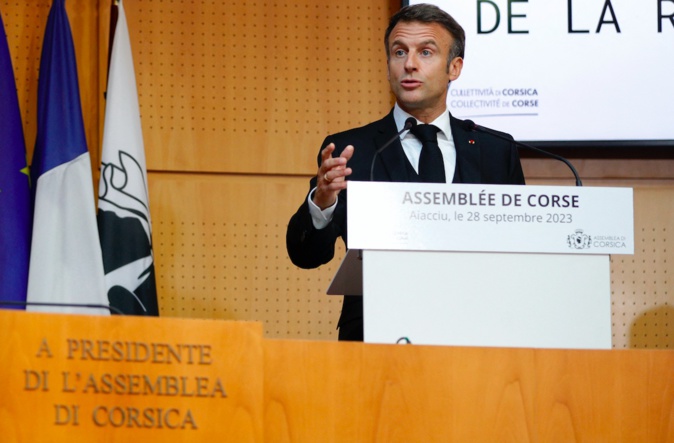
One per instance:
[(66, 265)]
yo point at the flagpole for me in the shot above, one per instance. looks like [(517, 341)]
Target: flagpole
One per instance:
[(114, 15), (61, 305)]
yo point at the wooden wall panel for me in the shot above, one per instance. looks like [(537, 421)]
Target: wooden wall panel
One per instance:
[(601, 172), (254, 87), (219, 244), (641, 285)]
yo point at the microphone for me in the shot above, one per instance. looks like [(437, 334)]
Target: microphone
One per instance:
[(470, 125), (409, 124)]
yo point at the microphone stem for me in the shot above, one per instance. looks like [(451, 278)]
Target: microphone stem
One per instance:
[(557, 157), (408, 125), (471, 126)]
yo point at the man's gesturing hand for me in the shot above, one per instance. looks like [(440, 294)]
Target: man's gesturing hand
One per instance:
[(331, 176)]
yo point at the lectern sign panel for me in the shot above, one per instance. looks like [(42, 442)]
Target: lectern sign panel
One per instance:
[(85, 378), (490, 218)]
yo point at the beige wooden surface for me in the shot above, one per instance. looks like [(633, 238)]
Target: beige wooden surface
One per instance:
[(240, 86), (80, 378), (346, 392), (223, 255), (309, 391)]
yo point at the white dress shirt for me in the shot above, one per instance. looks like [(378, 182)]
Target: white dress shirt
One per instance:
[(412, 147)]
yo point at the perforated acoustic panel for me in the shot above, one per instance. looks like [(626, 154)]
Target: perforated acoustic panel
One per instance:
[(642, 293), (219, 245), (243, 86)]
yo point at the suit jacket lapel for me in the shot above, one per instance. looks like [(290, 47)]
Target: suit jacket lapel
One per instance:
[(467, 153), (394, 160), (393, 157)]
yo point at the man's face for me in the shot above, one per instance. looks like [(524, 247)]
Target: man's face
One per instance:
[(418, 70)]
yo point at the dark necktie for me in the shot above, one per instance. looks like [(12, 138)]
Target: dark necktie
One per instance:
[(431, 164)]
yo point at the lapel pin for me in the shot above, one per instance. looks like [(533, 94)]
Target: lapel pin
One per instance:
[(471, 142)]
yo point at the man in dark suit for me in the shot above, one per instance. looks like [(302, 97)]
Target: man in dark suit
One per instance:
[(424, 48)]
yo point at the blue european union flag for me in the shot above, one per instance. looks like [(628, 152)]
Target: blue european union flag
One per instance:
[(15, 198)]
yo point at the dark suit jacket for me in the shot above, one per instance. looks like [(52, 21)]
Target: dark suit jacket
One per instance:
[(480, 158)]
